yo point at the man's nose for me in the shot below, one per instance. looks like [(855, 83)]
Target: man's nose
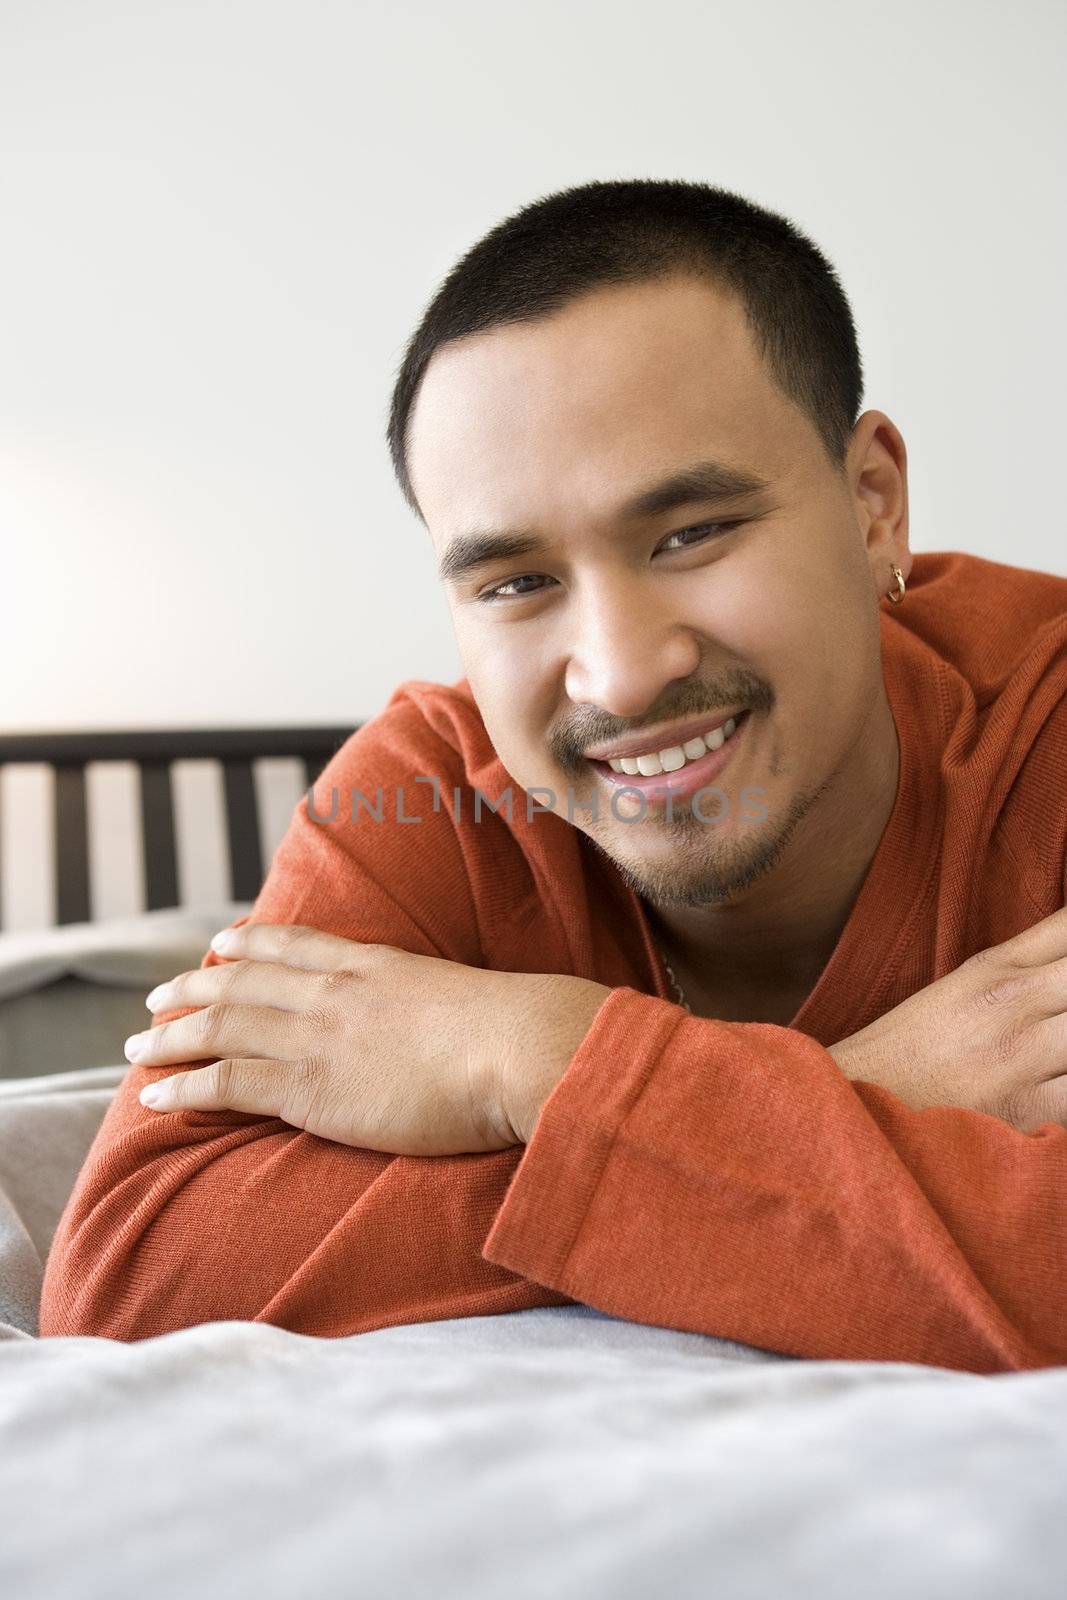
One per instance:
[(627, 648)]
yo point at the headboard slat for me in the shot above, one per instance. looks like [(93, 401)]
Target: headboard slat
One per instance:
[(313, 765), (72, 845), (157, 825), (242, 826)]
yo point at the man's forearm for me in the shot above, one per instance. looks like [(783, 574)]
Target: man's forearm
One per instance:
[(726, 1179)]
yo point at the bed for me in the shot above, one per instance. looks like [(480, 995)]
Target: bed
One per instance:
[(549, 1452)]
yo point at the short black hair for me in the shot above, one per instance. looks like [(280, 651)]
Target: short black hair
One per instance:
[(631, 230)]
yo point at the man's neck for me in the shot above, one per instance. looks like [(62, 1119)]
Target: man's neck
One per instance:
[(782, 931)]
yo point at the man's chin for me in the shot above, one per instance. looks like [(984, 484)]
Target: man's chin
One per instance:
[(681, 872)]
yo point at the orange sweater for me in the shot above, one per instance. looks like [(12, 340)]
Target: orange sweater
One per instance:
[(717, 1177)]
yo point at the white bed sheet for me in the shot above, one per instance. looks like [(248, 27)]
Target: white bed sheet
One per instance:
[(553, 1452)]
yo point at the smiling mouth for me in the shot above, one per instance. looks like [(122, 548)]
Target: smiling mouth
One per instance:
[(688, 778)]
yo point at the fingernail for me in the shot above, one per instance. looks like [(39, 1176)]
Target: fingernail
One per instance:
[(160, 993), (223, 940), (134, 1044), (151, 1095)]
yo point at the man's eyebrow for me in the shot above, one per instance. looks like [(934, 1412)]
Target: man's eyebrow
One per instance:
[(469, 551), (705, 481)]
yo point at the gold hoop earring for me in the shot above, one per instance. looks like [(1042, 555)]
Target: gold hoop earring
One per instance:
[(896, 595)]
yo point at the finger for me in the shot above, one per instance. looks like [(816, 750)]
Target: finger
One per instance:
[(220, 1030), (1046, 1102), (1044, 941), (254, 983), (234, 1084), (1049, 1036), (1048, 993), (294, 944)]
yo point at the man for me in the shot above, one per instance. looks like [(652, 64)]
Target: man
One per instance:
[(753, 1024)]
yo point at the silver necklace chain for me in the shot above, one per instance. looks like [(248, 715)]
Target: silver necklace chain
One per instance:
[(675, 985)]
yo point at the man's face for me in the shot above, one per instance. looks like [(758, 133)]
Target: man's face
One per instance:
[(629, 622)]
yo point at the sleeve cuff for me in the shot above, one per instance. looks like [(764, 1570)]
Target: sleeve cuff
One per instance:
[(538, 1224)]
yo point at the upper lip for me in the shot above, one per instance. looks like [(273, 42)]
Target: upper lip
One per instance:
[(663, 737)]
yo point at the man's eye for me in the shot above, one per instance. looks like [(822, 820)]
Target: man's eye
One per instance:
[(699, 527), (498, 592)]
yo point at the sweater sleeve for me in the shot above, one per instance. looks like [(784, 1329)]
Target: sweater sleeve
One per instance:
[(726, 1178), (199, 1216)]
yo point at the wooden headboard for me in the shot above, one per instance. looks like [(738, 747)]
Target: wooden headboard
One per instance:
[(235, 749)]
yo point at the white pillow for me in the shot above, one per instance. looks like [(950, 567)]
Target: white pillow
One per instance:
[(143, 949)]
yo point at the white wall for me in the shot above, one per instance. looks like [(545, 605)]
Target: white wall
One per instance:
[(221, 222)]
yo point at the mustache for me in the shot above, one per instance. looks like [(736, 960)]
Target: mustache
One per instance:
[(744, 689)]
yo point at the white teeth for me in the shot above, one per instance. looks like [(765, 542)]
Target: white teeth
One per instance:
[(676, 756)]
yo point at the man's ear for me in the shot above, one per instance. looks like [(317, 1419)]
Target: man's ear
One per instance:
[(878, 475)]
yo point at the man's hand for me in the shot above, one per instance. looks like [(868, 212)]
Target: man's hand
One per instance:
[(991, 1036), (365, 1044)]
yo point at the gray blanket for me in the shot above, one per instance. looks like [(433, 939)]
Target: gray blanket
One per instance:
[(554, 1452)]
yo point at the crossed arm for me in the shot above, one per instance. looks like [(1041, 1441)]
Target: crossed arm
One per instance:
[(733, 1179)]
